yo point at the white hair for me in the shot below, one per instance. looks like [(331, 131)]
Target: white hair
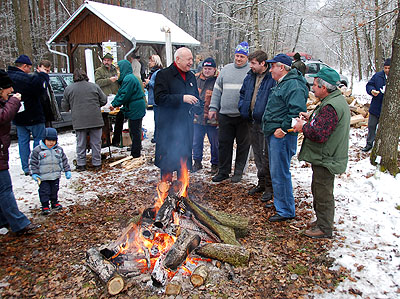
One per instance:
[(286, 67), (179, 52), (329, 87)]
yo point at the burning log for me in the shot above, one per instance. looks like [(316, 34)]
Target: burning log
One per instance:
[(234, 255), (199, 276), (183, 246), (159, 275), (226, 234), (164, 214), (105, 271)]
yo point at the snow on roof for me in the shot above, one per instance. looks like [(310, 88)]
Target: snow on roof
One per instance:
[(142, 26)]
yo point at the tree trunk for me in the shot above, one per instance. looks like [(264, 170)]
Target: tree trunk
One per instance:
[(254, 12), (387, 137), (298, 34), (358, 48), (23, 27), (378, 52)]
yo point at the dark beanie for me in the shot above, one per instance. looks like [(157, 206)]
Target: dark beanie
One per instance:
[(209, 62), (50, 134), (5, 81), (23, 59), (387, 62), (297, 56)]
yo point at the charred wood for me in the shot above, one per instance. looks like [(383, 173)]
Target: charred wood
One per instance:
[(183, 246), (234, 255), (159, 275), (164, 215)]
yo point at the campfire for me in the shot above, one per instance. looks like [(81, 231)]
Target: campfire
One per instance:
[(176, 240)]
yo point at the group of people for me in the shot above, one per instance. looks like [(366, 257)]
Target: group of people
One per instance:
[(257, 102)]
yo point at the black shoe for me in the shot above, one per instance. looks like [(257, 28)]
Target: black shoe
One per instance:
[(214, 169), (236, 178), (196, 166), (153, 140), (80, 168), (367, 148), (278, 218), (26, 173), (256, 189), (220, 177), (97, 167), (7, 226), (27, 229), (269, 205), (45, 211), (267, 196), (56, 207)]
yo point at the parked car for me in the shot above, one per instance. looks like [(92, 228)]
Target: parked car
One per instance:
[(58, 81), (313, 67)]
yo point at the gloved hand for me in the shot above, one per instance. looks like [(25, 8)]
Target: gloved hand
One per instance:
[(36, 177), (68, 174)]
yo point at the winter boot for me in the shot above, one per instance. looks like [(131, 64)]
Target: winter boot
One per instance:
[(196, 166)]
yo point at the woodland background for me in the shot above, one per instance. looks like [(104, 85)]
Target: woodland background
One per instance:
[(354, 36)]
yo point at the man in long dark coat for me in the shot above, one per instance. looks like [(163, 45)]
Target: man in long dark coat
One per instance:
[(177, 97)]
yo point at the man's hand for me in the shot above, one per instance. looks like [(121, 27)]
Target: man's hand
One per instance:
[(374, 92), (17, 95), (304, 116), (187, 98), (298, 127), (212, 115), (279, 133), (114, 78)]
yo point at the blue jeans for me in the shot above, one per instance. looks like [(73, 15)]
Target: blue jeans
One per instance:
[(199, 132), (280, 152), (24, 138), (9, 212)]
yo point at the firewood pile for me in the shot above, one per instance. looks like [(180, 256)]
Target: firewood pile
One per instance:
[(359, 112), (173, 247), (129, 163)]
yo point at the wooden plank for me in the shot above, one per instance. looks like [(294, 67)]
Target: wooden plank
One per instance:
[(120, 161)]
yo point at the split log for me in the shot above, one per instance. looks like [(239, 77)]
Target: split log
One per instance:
[(226, 234), (199, 276), (174, 286), (356, 119), (120, 161), (164, 215), (105, 270), (183, 246), (238, 223), (234, 255)]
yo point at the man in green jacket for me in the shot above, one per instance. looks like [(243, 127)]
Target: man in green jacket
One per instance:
[(106, 76), (325, 146), (285, 101)]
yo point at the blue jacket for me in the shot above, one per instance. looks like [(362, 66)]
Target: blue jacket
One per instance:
[(31, 87), (175, 118), (48, 163), (376, 83), (150, 86), (246, 94)]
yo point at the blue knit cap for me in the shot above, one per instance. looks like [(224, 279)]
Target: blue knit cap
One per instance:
[(242, 48), (24, 59), (50, 134)]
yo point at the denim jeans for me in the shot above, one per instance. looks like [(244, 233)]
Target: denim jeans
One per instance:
[(24, 138), (372, 126), (280, 152), (199, 132), (9, 212)]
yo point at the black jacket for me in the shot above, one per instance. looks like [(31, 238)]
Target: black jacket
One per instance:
[(31, 87), (175, 118)]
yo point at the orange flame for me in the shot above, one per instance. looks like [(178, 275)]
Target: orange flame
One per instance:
[(184, 178)]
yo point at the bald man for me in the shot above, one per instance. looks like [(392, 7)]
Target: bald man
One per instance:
[(177, 98)]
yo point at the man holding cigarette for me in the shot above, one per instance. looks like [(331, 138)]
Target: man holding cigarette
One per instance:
[(325, 146), (286, 100)]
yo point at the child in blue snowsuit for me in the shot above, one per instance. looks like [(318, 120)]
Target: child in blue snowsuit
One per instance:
[(46, 162)]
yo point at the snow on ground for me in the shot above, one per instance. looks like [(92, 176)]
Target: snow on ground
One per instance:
[(367, 236)]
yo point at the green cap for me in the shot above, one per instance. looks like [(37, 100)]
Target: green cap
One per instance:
[(108, 56), (329, 75)]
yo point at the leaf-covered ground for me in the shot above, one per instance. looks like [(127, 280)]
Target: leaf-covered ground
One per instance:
[(51, 263)]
